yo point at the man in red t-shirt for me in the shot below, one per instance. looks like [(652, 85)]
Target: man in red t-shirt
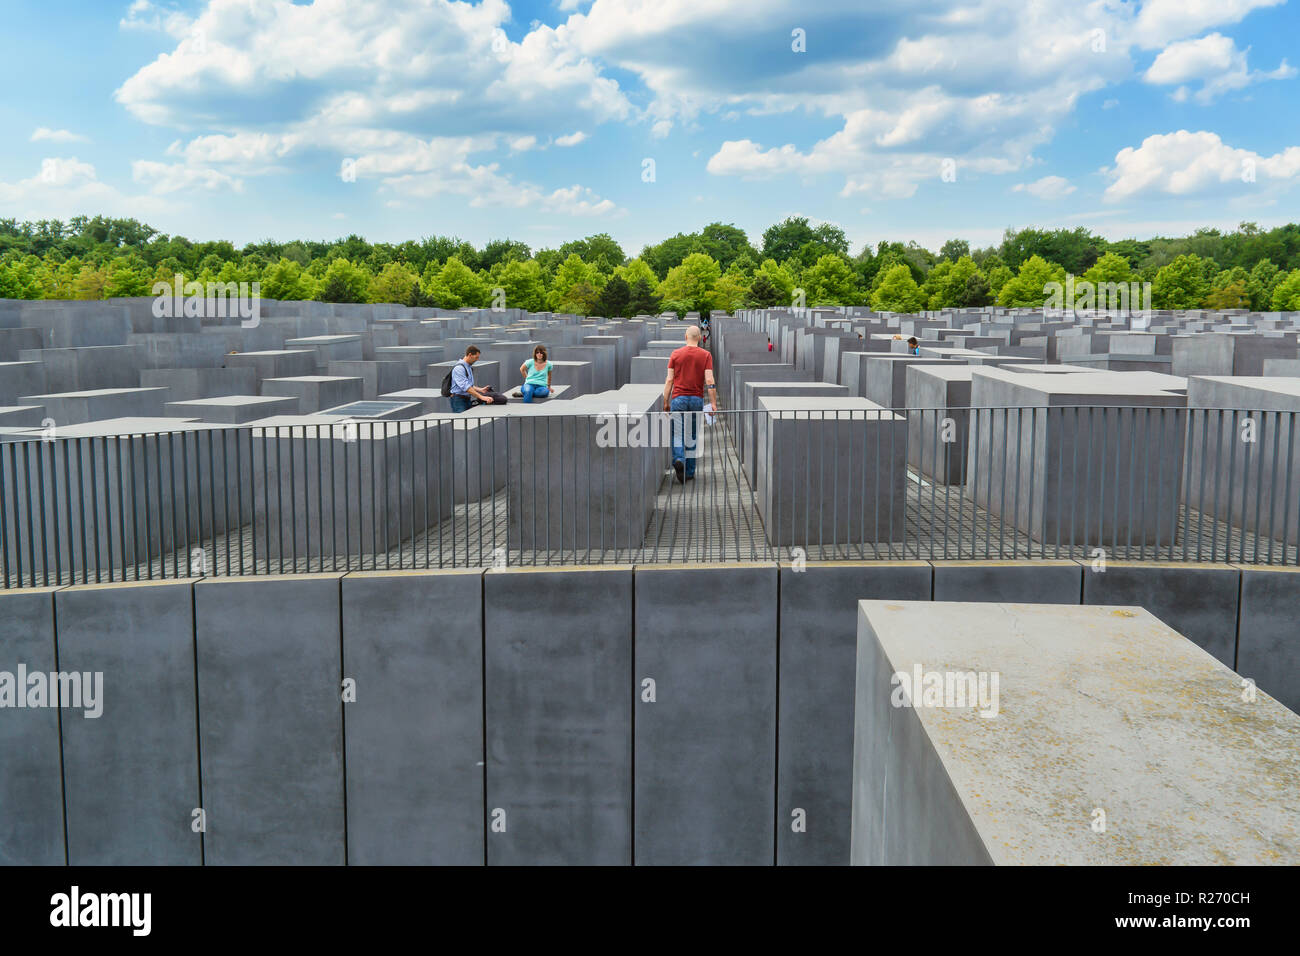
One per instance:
[(690, 375)]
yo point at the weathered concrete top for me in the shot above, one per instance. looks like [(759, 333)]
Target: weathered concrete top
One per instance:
[(1101, 708)]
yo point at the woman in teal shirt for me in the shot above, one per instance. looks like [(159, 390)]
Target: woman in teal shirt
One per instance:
[(537, 376)]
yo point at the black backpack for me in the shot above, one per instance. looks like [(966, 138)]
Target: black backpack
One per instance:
[(446, 383)]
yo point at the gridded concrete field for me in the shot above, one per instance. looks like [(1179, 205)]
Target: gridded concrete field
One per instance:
[(713, 517)]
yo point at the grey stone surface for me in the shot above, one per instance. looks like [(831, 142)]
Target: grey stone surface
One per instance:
[(1197, 600), (31, 784), (818, 647), (131, 774), (412, 641), (1268, 641), (706, 748), (271, 728), (1083, 692), (558, 686), (832, 470), (233, 409), (1026, 582), (315, 392)]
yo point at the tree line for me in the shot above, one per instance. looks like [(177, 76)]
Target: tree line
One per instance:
[(717, 268)]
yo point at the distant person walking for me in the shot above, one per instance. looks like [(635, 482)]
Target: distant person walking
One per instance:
[(769, 343), (464, 393), (913, 347), (690, 375), (537, 376)]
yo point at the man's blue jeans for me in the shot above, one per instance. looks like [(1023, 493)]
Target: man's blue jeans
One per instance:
[(529, 392), (461, 403), (686, 430)]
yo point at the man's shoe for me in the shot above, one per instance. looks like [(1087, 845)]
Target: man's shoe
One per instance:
[(679, 469)]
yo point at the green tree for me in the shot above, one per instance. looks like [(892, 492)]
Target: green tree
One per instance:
[(573, 290), (831, 281), (127, 278), (947, 283), (1028, 288), (287, 281), (394, 283), (898, 292), (1286, 296), (344, 282), (457, 286), (523, 283), (614, 298), (1181, 284), (779, 278), (644, 301), (689, 287), (954, 249), (731, 291), (1110, 268), (763, 294)]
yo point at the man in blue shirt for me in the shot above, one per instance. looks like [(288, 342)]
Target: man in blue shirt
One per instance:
[(464, 393)]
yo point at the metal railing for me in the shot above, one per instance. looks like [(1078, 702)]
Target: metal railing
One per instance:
[(554, 488)]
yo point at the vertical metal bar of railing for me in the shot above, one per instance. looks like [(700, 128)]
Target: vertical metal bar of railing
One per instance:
[(239, 495), (66, 445), (320, 501), (121, 501), (212, 501), (175, 510), (44, 524), (226, 532), (1115, 513), (185, 477), (1286, 490), (94, 509), (1087, 492), (4, 522), (1276, 431), (1232, 477), (1015, 504), (1245, 488)]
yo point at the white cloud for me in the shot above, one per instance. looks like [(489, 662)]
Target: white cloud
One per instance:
[(577, 201), (146, 16), (45, 134), (66, 187), (1190, 164), (164, 178), (1160, 21), (1212, 59), (277, 79), (1049, 187), (571, 139)]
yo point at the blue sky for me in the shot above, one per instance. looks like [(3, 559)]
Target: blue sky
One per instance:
[(899, 119)]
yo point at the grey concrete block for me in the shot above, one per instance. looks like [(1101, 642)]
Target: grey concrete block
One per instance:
[(558, 665), (818, 647), (413, 642), (705, 770), (132, 774), (1024, 582), (271, 719), (31, 784), (1268, 641), (1083, 694), (1197, 600)]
